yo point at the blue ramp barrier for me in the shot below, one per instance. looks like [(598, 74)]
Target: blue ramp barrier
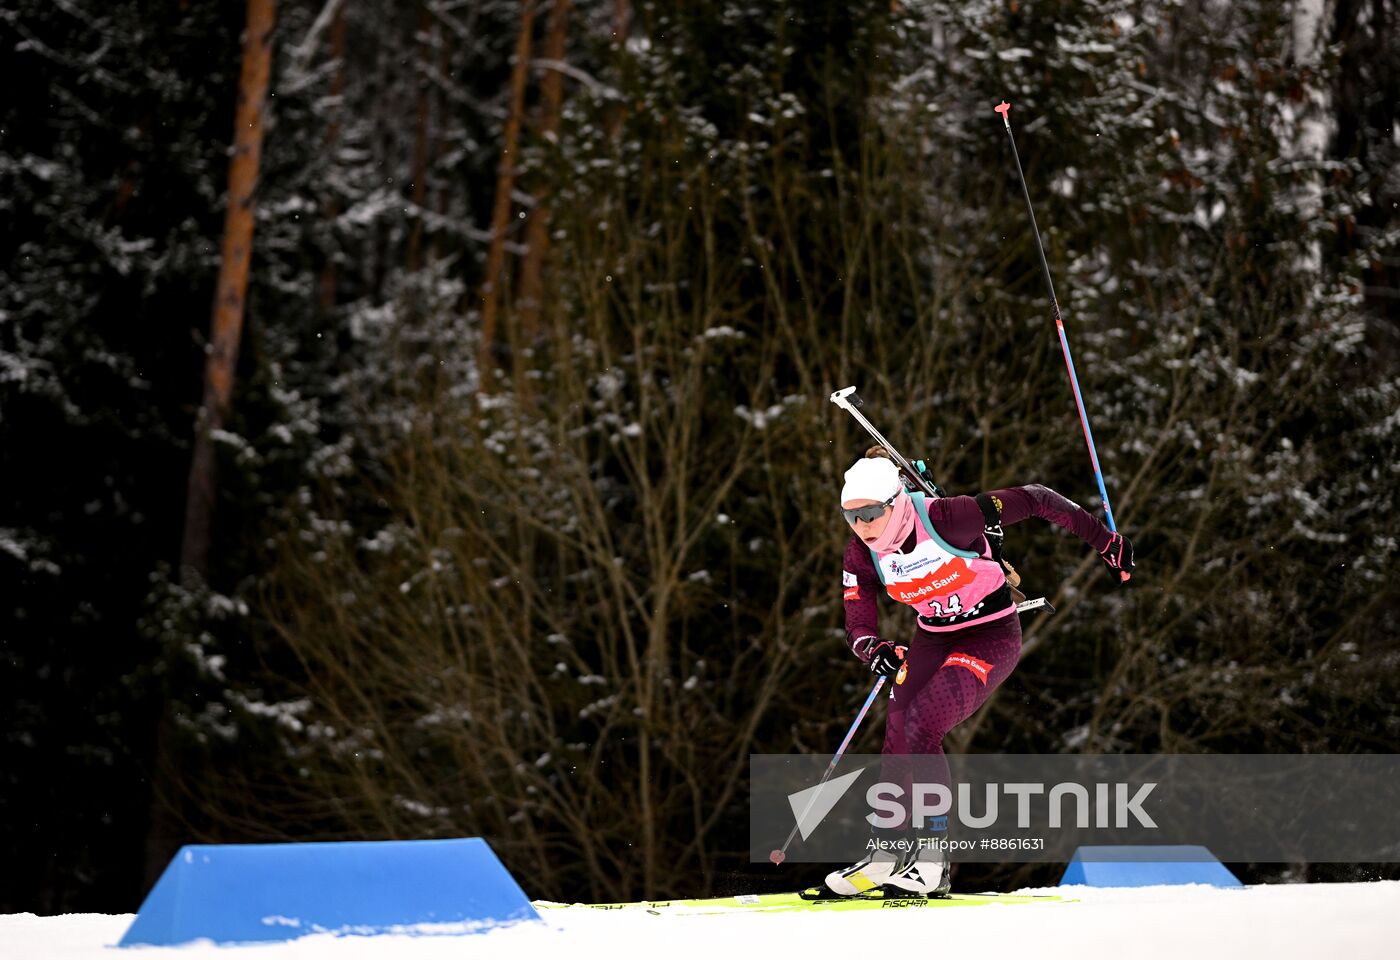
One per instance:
[(281, 891), (1146, 866)]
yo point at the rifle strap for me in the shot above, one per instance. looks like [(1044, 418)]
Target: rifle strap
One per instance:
[(992, 530)]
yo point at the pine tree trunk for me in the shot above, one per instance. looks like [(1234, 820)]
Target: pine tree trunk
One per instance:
[(164, 833), (622, 17), (621, 25), (505, 183), (326, 284), (422, 109), (537, 230), (445, 188), (227, 325)]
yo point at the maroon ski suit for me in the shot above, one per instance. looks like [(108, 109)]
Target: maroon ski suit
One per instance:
[(951, 674)]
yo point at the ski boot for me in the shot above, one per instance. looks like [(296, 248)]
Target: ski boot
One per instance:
[(864, 875), (890, 853), (925, 872)]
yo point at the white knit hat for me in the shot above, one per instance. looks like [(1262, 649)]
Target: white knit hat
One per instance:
[(871, 478)]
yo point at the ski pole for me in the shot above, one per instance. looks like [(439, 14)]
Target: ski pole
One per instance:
[(1004, 109), (778, 856)]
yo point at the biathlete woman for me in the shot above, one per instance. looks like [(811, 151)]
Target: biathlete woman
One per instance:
[(933, 554)]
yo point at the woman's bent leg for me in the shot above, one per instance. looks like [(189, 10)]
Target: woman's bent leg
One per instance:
[(976, 662)]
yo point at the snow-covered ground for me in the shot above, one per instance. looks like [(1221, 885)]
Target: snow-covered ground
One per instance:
[(1351, 920)]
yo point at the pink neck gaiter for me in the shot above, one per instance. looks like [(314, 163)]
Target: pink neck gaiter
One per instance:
[(900, 526)]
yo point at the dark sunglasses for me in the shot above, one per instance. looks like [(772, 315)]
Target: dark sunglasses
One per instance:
[(869, 513)]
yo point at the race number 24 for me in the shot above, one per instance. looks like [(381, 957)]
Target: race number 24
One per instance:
[(954, 607)]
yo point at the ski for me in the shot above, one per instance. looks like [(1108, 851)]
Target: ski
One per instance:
[(814, 899)]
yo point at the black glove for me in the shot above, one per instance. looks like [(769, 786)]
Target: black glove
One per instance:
[(886, 659), (1118, 557)]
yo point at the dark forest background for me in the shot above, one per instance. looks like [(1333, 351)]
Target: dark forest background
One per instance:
[(515, 516)]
